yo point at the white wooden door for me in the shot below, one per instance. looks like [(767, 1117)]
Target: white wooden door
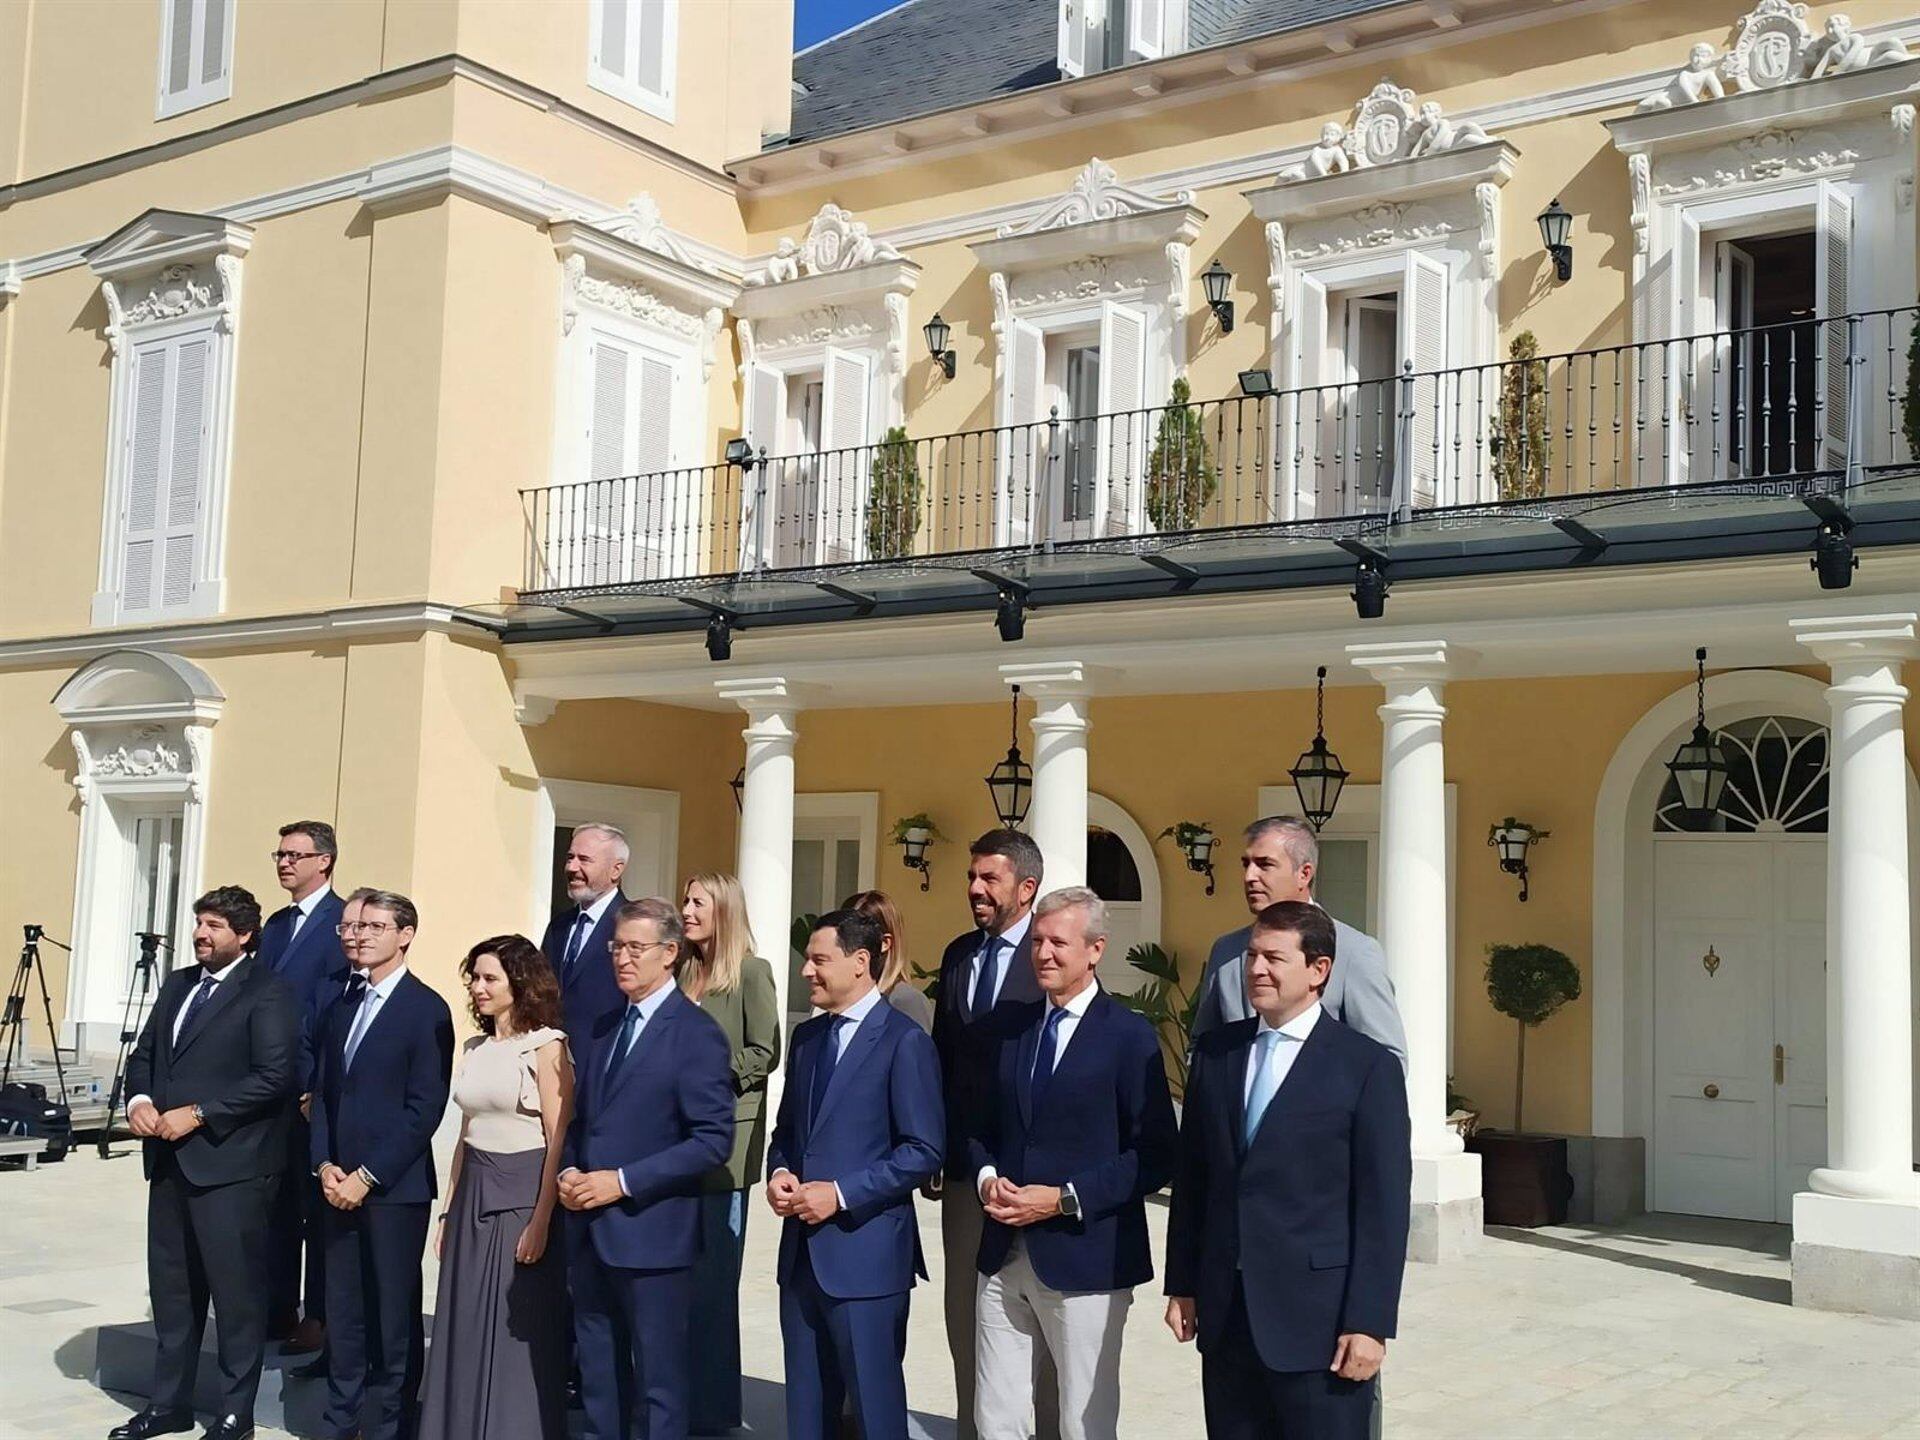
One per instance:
[(1739, 946)]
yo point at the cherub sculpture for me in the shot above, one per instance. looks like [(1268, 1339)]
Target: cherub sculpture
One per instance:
[(1698, 80), (1432, 132), (1843, 49), (1329, 157)]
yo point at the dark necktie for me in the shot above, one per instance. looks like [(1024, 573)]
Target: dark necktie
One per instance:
[(355, 993), (823, 1067), (1046, 1055), (574, 942), (202, 993), (623, 1042), (982, 1000)]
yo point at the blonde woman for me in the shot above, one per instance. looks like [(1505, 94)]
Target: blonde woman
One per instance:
[(725, 978), (905, 996)]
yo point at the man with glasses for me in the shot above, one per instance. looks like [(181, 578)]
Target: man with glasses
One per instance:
[(653, 1113), (299, 943), (577, 938), (383, 1057)]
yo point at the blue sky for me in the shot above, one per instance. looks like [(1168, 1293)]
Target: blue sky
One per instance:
[(817, 19)]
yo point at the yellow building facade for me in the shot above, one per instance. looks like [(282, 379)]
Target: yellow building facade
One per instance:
[(368, 375)]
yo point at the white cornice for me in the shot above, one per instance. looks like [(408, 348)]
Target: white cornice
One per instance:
[(158, 238), (612, 255), (1449, 172), (830, 287), (1802, 103), (1140, 233), (300, 627)]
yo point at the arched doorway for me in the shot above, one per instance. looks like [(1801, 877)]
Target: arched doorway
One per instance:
[(1121, 871)]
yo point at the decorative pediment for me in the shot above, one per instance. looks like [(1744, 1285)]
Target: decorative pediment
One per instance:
[(638, 275), (130, 686), (835, 241), (1096, 194), (641, 223), (163, 238), (1773, 46), (836, 286), (167, 265), (1390, 125), (1097, 218)]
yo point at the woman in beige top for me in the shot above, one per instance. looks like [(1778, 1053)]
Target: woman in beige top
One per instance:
[(497, 1369)]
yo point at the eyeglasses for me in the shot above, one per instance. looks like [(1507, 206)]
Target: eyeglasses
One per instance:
[(289, 856), (635, 948), (363, 927)]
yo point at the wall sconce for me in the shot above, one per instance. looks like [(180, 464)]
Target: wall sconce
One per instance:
[(938, 332), (1512, 838), (1556, 224), (1256, 383), (1197, 842), (1370, 587), (1833, 558), (1217, 280), (739, 787), (719, 636), (914, 834), (740, 452)]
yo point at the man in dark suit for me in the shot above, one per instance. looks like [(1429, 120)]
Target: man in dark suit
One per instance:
[(577, 937), (653, 1114), (300, 943), (212, 1077), (1083, 1132), (383, 1056), (987, 991), (862, 1125), (1288, 1232)]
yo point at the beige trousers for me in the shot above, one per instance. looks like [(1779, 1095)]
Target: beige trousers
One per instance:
[(1022, 1318), (961, 1222)]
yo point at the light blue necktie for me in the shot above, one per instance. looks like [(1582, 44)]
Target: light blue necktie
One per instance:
[(369, 1002), (1266, 1081)]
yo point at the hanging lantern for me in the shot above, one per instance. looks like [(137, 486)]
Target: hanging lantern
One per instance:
[(1318, 775), (1699, 766), (1011, 783)]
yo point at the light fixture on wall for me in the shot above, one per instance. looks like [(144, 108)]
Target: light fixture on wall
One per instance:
[(1217, 280), (1699, 766), (1256, 383), (1011, 781), (1512, 839), (914, 834), (719, 636), (739, 787), (1318, 775), (1370, 587), (1833, 558), (1010, 613), (1196, 840), (739, 452), (937, 333), (1556, 224)]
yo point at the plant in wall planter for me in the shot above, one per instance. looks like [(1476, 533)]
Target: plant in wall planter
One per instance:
[(913, 834), (1196, 840), (1524, 1178)]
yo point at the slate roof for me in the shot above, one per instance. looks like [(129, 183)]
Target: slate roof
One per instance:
[(927, 55)]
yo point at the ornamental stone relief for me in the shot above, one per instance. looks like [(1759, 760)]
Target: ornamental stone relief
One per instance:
[(174, 291), (1773, 46), (1095, 194), (641, 223), (1088, 279), (1387, 126), (140, 752), (623, 297), (1766, 156), (820, 325), (834, 241), (1388, 223)]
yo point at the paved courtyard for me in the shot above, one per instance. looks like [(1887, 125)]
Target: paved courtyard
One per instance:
[(1666, 1328)]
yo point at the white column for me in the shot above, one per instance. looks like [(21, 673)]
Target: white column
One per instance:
[(765, 863), (1866, 1198), (1413, 930), (1057, 819)]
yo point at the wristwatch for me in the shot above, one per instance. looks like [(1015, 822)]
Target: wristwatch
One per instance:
[(1069, 1203), (199, 1116)]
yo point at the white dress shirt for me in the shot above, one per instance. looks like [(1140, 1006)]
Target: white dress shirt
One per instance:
[(180, 1016), (369, 1011), (303, 912), (1293, 1036), (998, 953), (1076, 1011)]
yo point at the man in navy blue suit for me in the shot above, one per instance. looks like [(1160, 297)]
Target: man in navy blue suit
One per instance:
[(1288, 1232), (653, 1114), (862, 1125), (1082, 1133), (577, 937), (300, 943), (383, 1056)]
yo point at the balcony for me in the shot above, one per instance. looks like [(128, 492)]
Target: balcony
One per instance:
[(1810, 415)]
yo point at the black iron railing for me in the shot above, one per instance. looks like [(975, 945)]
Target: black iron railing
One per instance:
[(1802, 398)]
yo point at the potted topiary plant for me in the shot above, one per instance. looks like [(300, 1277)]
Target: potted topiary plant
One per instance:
[(1517, 439), (1524, 1178), (1181, 479), (893, 497)]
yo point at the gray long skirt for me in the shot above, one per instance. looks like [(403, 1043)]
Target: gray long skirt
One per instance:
[(497, 1368)]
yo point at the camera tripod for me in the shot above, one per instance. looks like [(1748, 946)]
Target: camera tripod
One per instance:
[(139, 993), (13, 1021)]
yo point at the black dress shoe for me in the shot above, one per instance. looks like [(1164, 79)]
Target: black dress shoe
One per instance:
[(229, 1427), (315, 1369), (153, 1421)]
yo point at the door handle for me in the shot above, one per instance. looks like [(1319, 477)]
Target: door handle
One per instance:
[(1779, 1064), (1712, 1092)]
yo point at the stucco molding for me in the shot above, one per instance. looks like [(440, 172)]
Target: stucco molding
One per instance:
[(1387, 225), (1096, 193), (1767, 156), (834, 241), (1773, 47), (618, 273), (166, 265), (1097, 217), (1390, 124), (214, 636), (1093, 278)]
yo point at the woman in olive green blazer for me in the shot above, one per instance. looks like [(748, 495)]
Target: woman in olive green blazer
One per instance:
[(735, 986)]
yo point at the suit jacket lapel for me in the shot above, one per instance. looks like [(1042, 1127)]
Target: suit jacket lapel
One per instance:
[(646, 1044), (378, 1024), (1023, 1067), (1299, 1079), (1237, 1093), (866, 1037), (321, 919), (223, 996)]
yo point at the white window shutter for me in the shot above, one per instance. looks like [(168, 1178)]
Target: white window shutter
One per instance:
[(656, 522), (195, 58), (1073, 30), (186, 464), (766, 408), (650, 60), (610, 35), (180, 32), (1023, 445), (1833, 299), (598, 507), (846, 446), (1423, 341), (141, 541), (1307, 414), (213, 40), (1122, 457), (1146, 29)]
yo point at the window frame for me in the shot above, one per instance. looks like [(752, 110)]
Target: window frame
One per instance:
[(198, 94), (617, 82)]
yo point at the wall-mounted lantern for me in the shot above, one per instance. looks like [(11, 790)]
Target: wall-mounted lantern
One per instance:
[(1512, 839), (1217, 280), (914, 834), (1196, 841), (1556, 225), (937, 333)]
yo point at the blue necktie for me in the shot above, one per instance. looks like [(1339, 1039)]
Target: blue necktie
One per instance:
[(623, 1042), (1266, 1081), (823, 1067), (982, 1000), (1046, 1055), (574, 942), (202, 993)]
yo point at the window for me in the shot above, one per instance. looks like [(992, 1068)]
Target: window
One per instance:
[(166, 474), (631, 52), (633, 518), (1105, 34), (815, 422), (196, 54)]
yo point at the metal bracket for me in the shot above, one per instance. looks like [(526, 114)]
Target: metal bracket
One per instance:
[(1185, 577), (1592, 545), (863, 603)]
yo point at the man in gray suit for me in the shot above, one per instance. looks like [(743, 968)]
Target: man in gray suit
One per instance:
[(1278, 863)]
